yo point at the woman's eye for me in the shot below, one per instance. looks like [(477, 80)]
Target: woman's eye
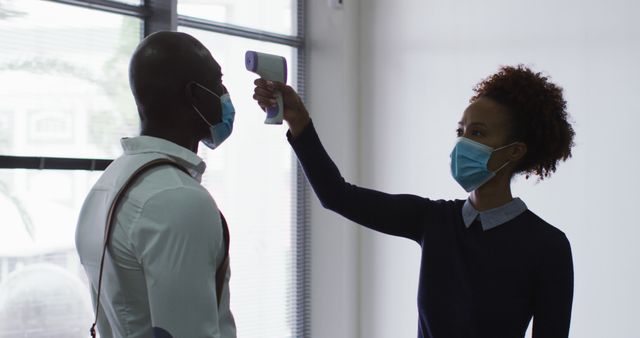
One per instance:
[(476, 133)]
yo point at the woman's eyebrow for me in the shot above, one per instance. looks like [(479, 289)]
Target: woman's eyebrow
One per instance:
[(474, 124)]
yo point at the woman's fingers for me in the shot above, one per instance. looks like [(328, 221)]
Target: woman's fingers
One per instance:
[(260, 82), (273, 86), (262, 101), (265, 92), (261, 92)]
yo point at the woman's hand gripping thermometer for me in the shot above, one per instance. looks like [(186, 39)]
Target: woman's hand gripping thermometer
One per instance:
[(272, 68)]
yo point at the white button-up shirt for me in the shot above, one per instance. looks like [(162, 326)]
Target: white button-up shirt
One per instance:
[(165, 247)]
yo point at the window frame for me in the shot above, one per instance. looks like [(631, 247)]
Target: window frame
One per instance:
[(158, 15)]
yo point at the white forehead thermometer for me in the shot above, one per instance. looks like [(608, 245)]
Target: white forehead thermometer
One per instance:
[(273, 68)]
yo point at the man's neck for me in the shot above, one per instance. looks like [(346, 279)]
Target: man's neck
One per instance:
[(180, 139)]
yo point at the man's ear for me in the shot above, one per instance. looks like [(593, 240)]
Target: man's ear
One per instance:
[(188, 92)]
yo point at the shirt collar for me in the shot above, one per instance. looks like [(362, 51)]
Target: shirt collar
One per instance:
[(492, 218), (183, 156)]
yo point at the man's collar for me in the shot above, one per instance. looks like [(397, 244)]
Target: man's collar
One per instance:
[(492, 218), (183, 156)]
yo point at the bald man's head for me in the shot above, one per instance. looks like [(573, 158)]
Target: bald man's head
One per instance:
[(161, 68)]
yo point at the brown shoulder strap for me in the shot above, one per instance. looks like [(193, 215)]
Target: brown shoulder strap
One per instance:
[(109, 223), (221, 272)]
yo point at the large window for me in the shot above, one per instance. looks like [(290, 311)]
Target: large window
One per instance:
[(277, 16), (64, 94)]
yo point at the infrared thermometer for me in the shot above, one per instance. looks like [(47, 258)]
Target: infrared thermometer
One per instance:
[(273, 68)]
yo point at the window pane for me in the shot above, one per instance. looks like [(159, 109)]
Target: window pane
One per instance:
[(43, 288), (277, 16), (251, 178), (64, 89), (131, 2)]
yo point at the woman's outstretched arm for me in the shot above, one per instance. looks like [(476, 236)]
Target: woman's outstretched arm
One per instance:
[(399, 215)]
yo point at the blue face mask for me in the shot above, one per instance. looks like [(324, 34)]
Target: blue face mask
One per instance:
[(469, 163), (219, 132)]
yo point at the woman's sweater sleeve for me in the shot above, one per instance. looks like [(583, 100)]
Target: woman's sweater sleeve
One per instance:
[(554, 290), (398, 215)]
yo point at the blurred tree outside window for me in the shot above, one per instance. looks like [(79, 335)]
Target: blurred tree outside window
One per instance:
[(64, 93)]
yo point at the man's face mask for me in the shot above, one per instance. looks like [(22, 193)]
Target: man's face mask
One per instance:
[(469, 163), (218, 132)]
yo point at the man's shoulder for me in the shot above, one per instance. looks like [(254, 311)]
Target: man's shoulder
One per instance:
[(121, 169), (182, 211), (176, 196), (165, 189), (155, 180)]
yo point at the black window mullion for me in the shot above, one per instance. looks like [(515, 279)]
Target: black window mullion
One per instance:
[(53, 163), (163, 16), (302, 230), (108, 6)]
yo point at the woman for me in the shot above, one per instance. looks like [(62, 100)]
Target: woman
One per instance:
[(488, 263)]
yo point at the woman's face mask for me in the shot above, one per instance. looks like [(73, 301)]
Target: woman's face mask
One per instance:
[(469, 163)]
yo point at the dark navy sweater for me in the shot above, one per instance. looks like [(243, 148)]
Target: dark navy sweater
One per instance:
[(473, 283)]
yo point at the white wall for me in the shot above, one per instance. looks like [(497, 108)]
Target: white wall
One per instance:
[(332, 99), (388, 82)]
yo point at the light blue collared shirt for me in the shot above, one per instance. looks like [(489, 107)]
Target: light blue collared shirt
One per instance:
[(492, 218)]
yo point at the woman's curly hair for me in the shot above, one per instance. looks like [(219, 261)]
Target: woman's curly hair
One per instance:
[(538, 116)]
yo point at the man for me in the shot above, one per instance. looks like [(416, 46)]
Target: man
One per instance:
[(167, 238)]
